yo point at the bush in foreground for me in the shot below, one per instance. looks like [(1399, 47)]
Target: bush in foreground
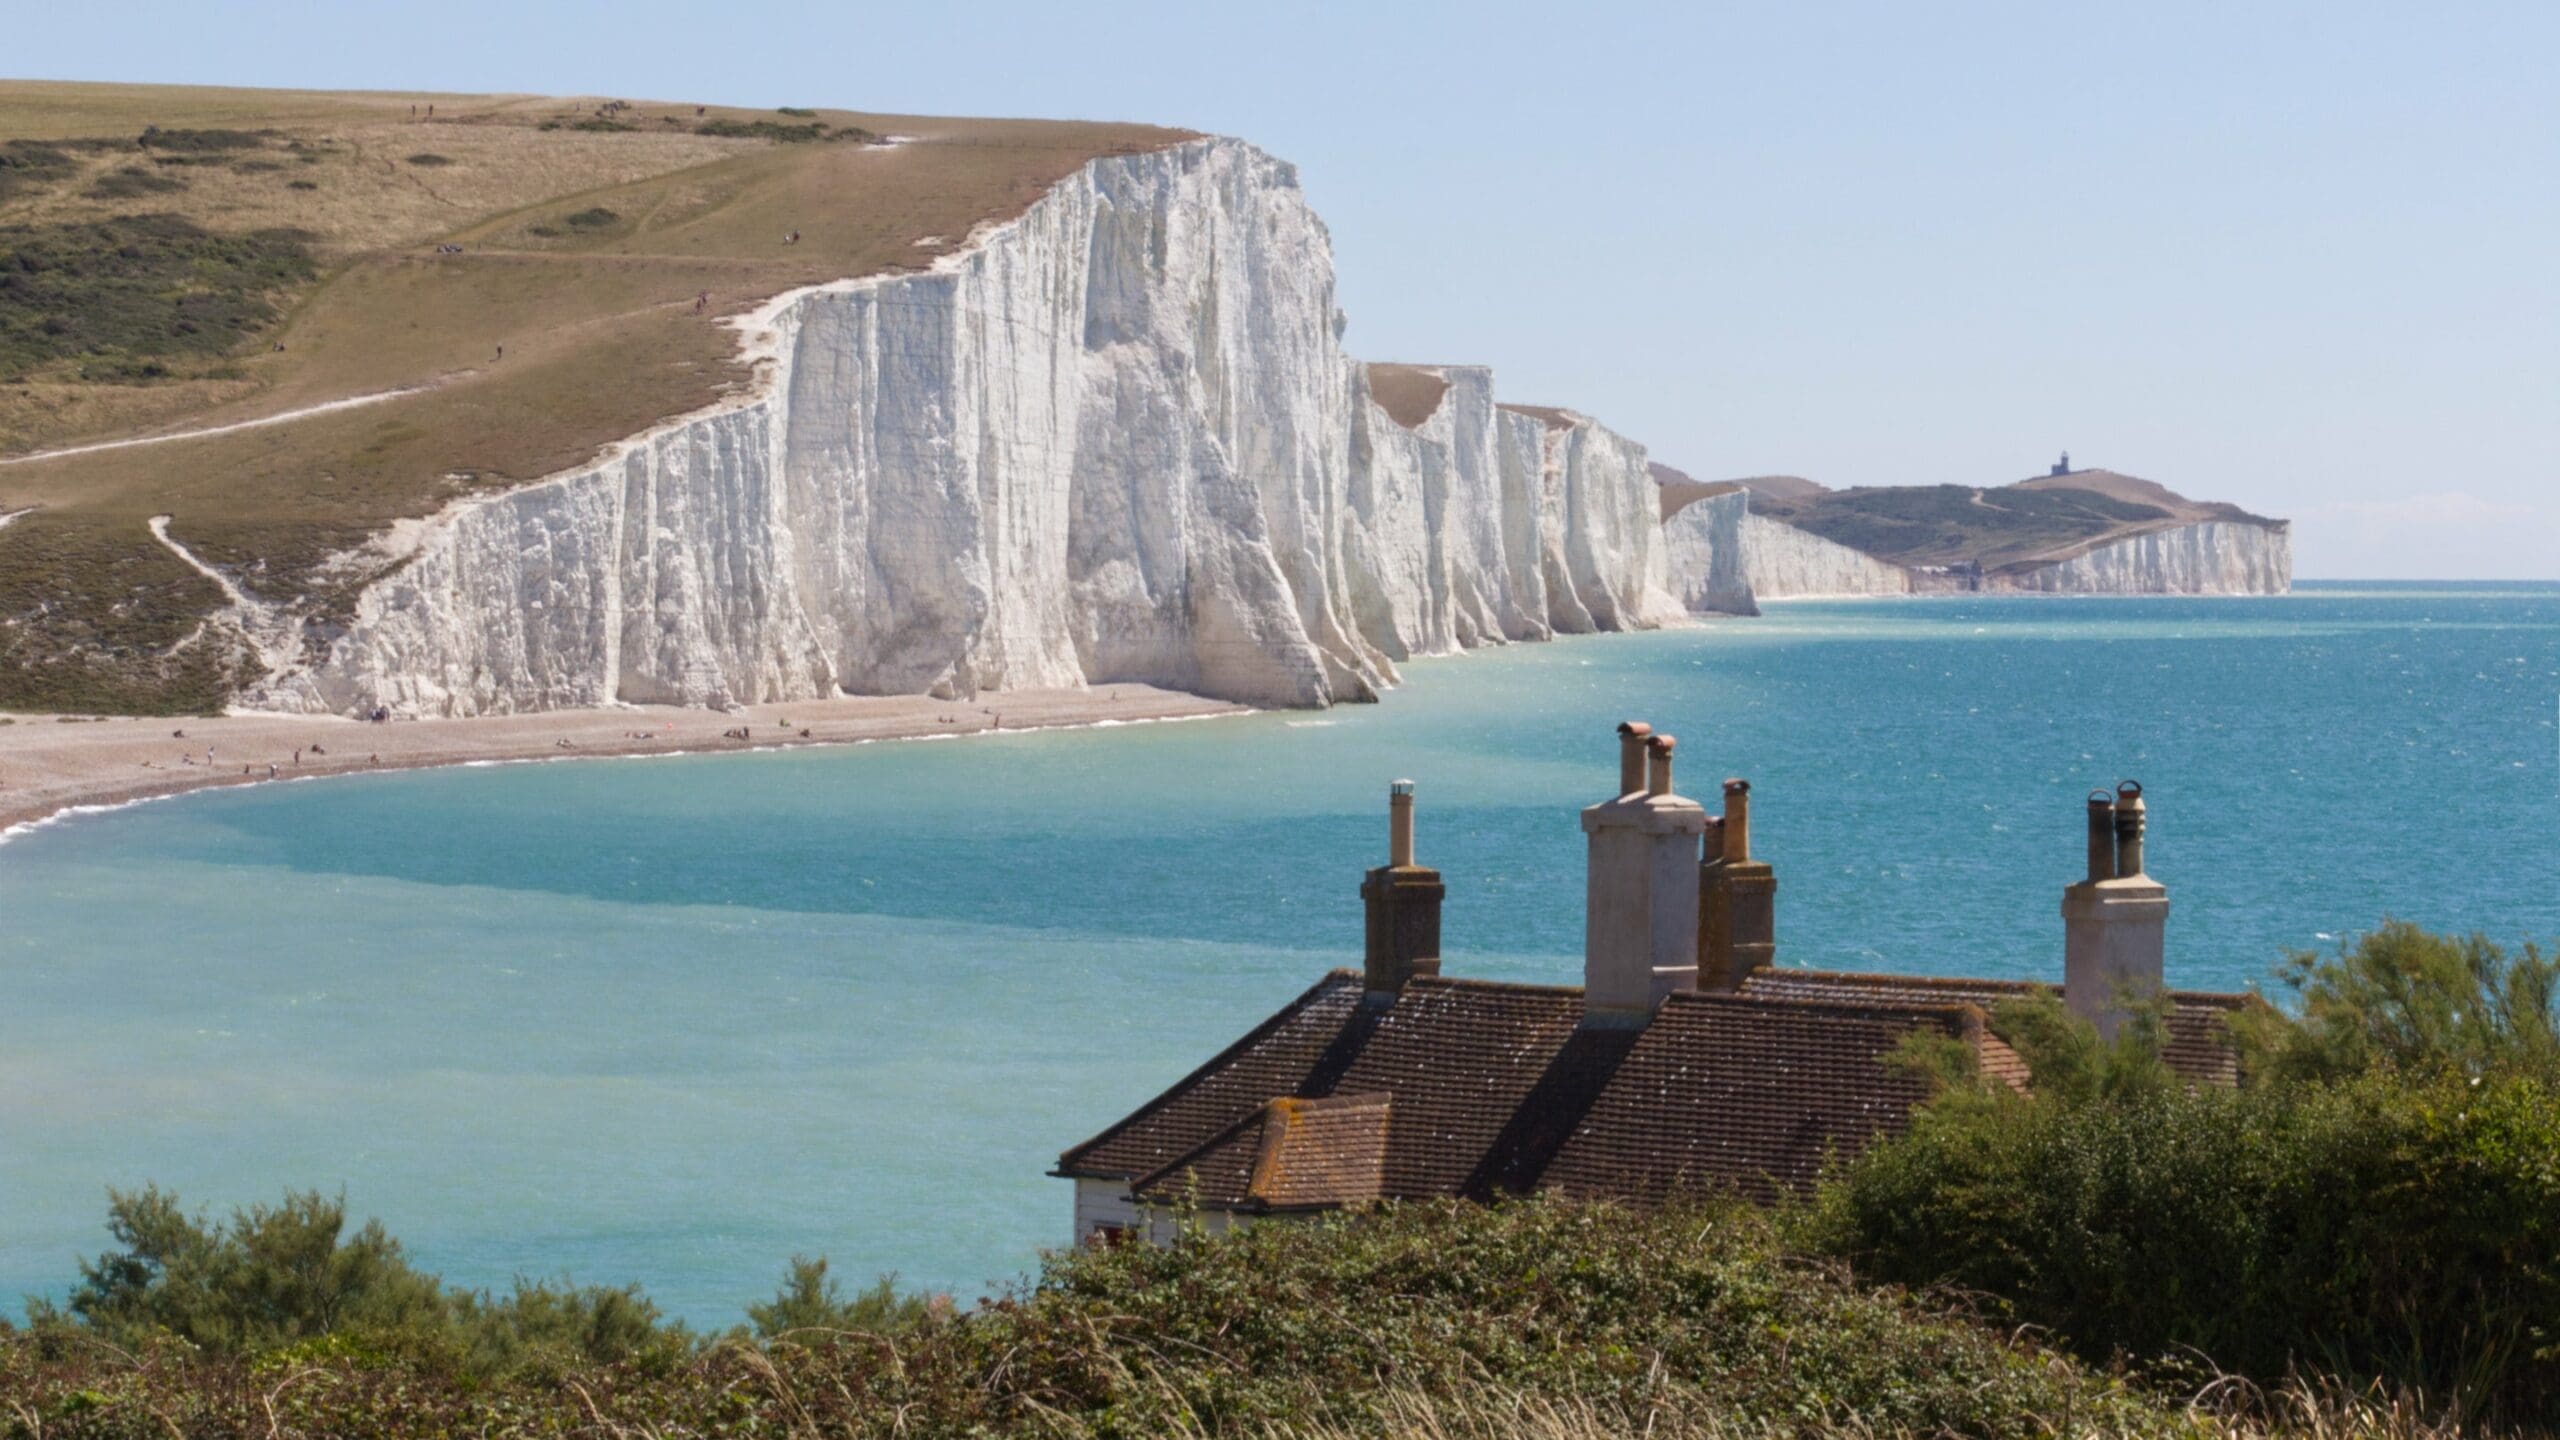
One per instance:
[(1693, 1321), (2380, 1203)]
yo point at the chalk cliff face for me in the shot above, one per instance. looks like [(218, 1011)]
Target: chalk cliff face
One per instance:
[(2213, 558), (1478, 523), (1113, 440), (1710, 558), (1782, 561)]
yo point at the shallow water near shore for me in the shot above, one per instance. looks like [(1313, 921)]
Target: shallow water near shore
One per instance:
[(673, 1022)]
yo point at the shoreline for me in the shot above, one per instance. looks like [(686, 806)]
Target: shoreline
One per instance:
[(53, 765)]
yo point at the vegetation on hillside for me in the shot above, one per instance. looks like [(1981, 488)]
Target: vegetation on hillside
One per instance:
[(2379, 1204), (1948, 524), (28, 166), (106, 626), (283, 1323), (123, 295)]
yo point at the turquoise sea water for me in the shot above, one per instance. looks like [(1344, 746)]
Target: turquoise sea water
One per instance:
[(671, 1021)]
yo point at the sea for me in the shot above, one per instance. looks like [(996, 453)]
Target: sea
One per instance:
[(674, 1021)]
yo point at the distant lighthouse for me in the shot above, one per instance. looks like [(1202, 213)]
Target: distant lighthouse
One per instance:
[(2063, 465)]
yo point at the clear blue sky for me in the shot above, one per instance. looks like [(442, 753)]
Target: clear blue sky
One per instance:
[(2302, 256)]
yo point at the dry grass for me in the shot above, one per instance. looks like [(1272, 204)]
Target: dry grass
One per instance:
[(1410, 394), (1490, 1413), (1680, 490), (601, 338), (1552, 416)]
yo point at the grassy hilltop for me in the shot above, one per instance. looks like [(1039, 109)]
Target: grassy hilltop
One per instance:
[(2017, 527), (177, 259)]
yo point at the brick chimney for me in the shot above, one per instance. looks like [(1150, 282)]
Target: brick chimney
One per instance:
[(1640, 927), (1737, 899), (2114, 921), (1403, 903)]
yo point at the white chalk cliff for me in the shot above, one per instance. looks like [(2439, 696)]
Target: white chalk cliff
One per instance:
[(2217, 557), (1783, 562), (1727, 563), (1115, 439), (1710, 554)]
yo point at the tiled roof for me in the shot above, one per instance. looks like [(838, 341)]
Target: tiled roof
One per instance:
[(1474, 1088), (1461, 1057), (1746, 1094), (1298, 1051), (2003, 1064), (1289, 1155), (2196, 1046)]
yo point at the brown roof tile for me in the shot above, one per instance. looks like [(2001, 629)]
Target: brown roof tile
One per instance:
[(1475, 1088), (1292, 1154), (1298, 1051), (1460, 1056), (1747, 1094), (2197, 1046)]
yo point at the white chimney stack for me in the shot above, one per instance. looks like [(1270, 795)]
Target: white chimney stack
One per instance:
[(1640, 929), (2114, 922)]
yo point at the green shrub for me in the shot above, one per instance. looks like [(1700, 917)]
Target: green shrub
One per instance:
[(138, 287), (762, 130), (28, 166), (428, 159), (127, 183), (2400, 1224), (155, 138), (272, 1276), (2404, 999), (808, 1300), (542, 1330), (1343, 1324), (594, 219)]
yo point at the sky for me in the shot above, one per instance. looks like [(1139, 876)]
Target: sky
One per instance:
[(2305, 257)]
